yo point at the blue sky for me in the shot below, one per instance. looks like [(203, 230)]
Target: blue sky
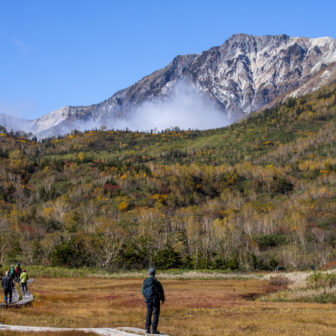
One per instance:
[(78, 52)]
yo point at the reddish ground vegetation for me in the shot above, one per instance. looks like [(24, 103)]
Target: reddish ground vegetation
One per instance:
[(329, 265), (198, 307)]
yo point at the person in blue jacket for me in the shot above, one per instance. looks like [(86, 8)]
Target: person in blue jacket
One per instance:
[(153, 293)]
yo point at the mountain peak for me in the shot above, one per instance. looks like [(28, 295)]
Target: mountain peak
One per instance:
[(249, 37), (242, 75)]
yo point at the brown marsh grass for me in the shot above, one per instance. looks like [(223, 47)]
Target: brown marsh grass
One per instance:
[(193, 308)]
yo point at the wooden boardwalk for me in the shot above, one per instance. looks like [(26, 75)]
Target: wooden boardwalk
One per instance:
[(16, 302)]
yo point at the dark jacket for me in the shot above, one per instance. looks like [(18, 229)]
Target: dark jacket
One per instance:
[(152, 290), (12, 272), (17, 270), (7, 283)]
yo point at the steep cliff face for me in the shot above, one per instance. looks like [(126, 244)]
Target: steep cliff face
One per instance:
[(242, 75), (247, 72)]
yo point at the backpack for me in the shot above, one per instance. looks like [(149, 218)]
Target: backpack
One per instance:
[(12, 272), (150, 289)]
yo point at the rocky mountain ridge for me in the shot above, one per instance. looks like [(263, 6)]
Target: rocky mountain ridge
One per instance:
[(242, 75)]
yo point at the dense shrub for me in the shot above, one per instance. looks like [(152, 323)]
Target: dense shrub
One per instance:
[(72, 252), (321, 279), (167, 258), (271, 240)]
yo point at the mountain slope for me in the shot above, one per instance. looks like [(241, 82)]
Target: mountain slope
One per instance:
[(258, 193), (239, 77)]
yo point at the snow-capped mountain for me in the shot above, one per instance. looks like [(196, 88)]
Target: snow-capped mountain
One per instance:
[(242, 75)]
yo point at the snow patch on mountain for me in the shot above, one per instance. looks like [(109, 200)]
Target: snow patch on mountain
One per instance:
[(50, 120)]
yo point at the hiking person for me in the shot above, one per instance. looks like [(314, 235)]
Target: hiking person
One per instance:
[(12, 272), (17, 272), (153, 293), (7, 285), (23, 280)]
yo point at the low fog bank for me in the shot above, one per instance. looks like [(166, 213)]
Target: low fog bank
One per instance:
[(15, 123), (187, 107), (183, 105)]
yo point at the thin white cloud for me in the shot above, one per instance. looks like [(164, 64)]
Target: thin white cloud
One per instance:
[(21, 45), (16, 42)]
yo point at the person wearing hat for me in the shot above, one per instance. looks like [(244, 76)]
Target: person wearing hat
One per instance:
[(18, 272), (23, 280), (7, 285), (153, 293)]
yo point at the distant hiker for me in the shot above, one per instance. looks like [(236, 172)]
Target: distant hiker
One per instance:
[(7, 285), (23, 280), (12, 272), (17, 272), (153, 293)]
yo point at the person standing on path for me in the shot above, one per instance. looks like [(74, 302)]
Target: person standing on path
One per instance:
[(153, 293), (17, 272), (23, 280), (12, 272), (7, 285)]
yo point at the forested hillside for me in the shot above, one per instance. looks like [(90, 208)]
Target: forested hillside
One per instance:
[(254, 195)]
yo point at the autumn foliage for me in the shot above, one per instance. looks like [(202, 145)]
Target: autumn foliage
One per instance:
[(256, 195)]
